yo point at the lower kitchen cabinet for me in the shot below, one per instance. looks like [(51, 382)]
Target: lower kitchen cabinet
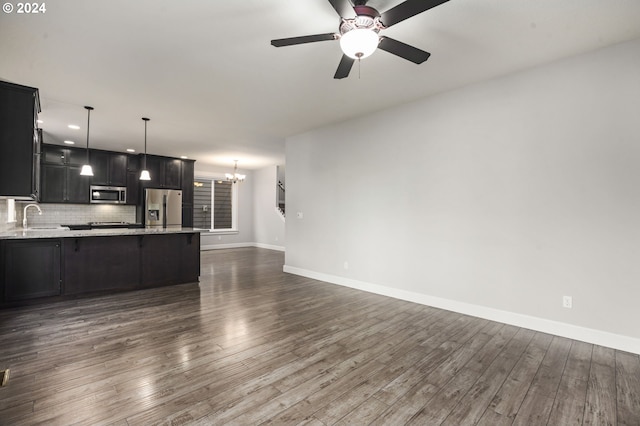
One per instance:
[(37, 268), (31, 269), (170, 259), (94, 264)]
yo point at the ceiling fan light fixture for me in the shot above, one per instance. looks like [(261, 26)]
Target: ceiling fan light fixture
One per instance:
[(359, 43)]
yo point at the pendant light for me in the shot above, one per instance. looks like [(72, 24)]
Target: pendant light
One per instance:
[(144, 174), (86, 168)]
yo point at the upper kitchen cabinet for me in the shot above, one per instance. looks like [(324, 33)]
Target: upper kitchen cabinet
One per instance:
[(63, 155), (61, 180), (19, 141), (109, 168), (133, 180), (165, 172), (188, 167), (188, 171)]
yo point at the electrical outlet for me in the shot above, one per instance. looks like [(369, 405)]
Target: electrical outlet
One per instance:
[(567, 302), (346, 265)]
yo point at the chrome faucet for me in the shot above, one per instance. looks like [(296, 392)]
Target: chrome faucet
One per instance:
[(24, 215)]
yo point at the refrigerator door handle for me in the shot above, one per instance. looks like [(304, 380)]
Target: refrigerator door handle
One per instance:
[(164, 211)]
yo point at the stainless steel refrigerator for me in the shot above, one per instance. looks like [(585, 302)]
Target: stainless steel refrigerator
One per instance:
[(162, 207)]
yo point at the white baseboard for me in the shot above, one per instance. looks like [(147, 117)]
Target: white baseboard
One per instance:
[(225, 246), (239, 245), (602, 338), (268, 246)]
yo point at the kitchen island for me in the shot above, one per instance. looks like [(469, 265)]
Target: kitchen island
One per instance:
[(40, 265)]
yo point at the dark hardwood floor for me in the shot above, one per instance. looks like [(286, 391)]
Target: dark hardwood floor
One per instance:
[(251, 345)]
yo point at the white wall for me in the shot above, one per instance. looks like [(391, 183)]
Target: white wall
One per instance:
[(496, 199), (268, 223)]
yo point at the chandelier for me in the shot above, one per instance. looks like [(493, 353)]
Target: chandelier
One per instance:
[(235, 177)]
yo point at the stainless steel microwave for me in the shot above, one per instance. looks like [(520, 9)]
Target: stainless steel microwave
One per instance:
[(108, 194)]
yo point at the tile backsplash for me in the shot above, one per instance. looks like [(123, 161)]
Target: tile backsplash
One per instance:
[(4, 216), (68, 214)]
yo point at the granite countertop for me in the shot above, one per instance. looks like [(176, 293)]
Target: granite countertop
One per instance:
[(20, 233)]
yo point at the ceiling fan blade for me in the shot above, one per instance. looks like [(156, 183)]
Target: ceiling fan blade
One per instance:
[(343, 7), (344, 67), (403, 50), (303, 39), (406, 10)]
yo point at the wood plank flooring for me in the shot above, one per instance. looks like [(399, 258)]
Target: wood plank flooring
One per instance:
[(252, 345)]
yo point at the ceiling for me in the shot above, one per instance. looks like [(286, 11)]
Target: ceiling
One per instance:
[(216, 90)]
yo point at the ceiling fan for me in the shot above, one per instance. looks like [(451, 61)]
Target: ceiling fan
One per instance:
[(359, 36)]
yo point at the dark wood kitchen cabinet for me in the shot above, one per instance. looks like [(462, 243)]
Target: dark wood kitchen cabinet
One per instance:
[(60, 175), (109, 168), (31, 269), (133, 180), (63, 155), (172, 173), (166, 172), (54, 179), (170, 259), (94, 264), (19, 141), (63, 184), (188, 167), (90, 264)]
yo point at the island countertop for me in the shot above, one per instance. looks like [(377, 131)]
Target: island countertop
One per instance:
[(20, 233)]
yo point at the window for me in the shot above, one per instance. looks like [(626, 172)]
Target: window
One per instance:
[(214, 204)]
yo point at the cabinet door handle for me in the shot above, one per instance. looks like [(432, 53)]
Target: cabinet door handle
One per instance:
[(189, 238), (76, 245), (140, 241)]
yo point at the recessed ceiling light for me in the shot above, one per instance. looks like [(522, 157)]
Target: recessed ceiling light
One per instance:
[(73, 126), (39, 121), (131, 150), (184, 157), (70, 142)]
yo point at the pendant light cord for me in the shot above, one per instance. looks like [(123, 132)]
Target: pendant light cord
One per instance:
[(145, 143), (88, 108)]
